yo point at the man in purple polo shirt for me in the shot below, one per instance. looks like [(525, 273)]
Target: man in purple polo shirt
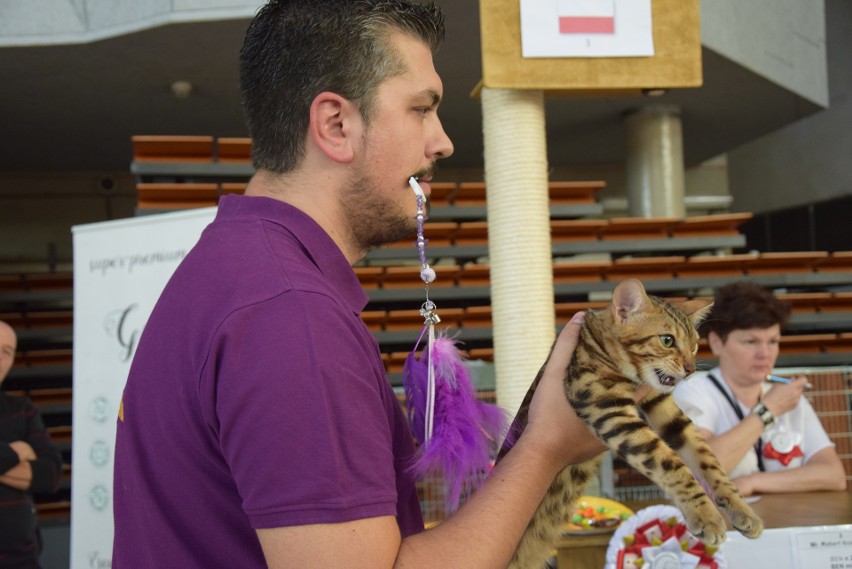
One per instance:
[(257, 428)]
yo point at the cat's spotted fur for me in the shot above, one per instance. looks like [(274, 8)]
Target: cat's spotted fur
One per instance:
[(637, 340)]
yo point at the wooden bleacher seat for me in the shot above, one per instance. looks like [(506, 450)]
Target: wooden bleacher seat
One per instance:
[(470, 193), (33, 358), (838, 343), (11, 283), (565, 310), (369, 277), (396, 361), (805, 302), (374, 319), (806, 343), (39, 319), (783, 262), (836, 261), (638, 227), (54, 511), (411, 319), (234, 150), (476, 317), (49, 281), (437, 233), (483, 354), (643, 268), (839, 301), (61, 435), (474, 274), (232, 188), (44, 398), (162, 195), (443, 193), (471, 233), (163, 148), (23, 282), (574, 193), (407, 276), (580, 271), (562, 230), (559, 193), (710, 225), (714, 266)]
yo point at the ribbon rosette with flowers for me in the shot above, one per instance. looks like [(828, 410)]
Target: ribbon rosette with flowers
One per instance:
[(657, 538)]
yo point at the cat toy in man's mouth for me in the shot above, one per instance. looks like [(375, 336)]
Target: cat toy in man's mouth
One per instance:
[(777, 379), (414, 182)]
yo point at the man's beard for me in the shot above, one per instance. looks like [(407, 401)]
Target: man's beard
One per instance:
[(373, 220)]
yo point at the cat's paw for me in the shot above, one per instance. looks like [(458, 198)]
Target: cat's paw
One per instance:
[(742, 516), (706, 523)]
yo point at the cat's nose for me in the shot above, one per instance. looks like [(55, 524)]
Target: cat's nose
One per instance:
[(689, 368)]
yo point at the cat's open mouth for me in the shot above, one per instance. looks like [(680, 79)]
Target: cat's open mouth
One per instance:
[(664, 378)]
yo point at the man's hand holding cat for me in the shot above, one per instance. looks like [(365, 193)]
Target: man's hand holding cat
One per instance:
[(553, 425)]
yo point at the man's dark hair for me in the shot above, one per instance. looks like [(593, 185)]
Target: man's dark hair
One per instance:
[(743, 305), (296, 49)]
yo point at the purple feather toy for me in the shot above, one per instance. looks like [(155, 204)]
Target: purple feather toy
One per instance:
[(465, 431)]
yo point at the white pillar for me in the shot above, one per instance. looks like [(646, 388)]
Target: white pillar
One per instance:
[(655, 171), (518, 238)]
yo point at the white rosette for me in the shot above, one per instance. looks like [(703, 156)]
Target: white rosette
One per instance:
[(668, 555)]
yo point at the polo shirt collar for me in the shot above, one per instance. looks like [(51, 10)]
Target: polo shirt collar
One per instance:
[(320, 247)]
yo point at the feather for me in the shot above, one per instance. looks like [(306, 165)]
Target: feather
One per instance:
[(466, 431)]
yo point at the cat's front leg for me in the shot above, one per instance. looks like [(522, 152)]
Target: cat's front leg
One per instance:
[(681, 435), (616, 421)]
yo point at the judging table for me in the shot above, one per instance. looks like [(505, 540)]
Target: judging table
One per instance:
[(804, 509)]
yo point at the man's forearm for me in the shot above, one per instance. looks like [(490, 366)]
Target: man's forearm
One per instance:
[(486, 530)]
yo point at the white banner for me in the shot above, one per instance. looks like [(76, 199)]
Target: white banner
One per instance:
[(120, 269)]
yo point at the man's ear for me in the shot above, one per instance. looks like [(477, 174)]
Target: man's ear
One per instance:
[(334, 122)]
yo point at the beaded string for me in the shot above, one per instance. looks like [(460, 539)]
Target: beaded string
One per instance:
[(427, 310)]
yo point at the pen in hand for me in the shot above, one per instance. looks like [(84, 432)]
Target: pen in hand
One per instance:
[(777, 379)]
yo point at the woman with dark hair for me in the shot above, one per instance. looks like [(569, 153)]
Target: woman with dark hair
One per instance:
[(767, 437)]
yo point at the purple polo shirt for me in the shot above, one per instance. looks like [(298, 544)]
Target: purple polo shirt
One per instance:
[(256, 399)]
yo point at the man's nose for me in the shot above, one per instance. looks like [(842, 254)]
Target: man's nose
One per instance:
[(442, 146)]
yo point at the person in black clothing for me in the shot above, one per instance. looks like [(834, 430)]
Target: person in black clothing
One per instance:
[(29, 462)]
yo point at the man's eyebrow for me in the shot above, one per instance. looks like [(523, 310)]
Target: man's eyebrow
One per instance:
[(433, 95)]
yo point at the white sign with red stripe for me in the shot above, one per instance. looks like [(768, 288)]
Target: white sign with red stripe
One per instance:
[(586, 28), (586, 16)]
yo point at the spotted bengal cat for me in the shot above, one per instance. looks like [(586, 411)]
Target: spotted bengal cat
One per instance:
[(638, 339)]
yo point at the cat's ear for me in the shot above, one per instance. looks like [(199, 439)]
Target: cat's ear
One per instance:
[(697, 309), (628, 298)]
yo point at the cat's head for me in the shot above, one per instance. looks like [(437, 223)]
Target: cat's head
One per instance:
[(657, 340)]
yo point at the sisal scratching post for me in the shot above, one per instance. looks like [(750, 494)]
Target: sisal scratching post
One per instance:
[(518, 238)]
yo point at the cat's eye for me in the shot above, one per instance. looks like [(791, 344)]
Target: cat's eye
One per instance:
[(667, 340)]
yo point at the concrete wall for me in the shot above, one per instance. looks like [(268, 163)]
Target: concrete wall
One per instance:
[(781, 40), (810, 160), (77, 21), (38, 210)]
